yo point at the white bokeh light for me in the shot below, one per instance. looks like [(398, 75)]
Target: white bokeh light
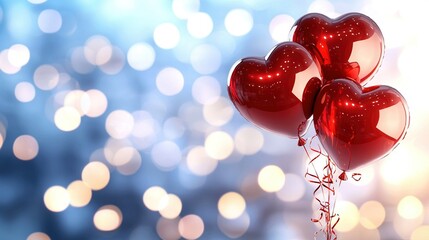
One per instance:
[(280, 26), (98, 50), (166, 155), (323, 6), (56, 199), (170, 81), (199, 163), (238, 22), (206, 59), (293, 189), (25, 92), (111, 60), (219, 145), (46, 77), (67, 118), (119, 124), (200, 25), (50, 21), (97, 103), (219, 113), (18, 55), (166, 36), (5, 65), (206, 90), (141, 56), (36, 1), (184, 8), (248, 140)]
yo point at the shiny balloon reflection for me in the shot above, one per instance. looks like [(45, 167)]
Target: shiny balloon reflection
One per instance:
[(351, 46), (357, 125), (276, 93)]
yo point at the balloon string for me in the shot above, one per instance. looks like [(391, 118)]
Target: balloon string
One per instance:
[(325, 186)]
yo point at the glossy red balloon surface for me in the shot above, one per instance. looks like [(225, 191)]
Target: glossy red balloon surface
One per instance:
[(350, 46), (277, 92), (355, 125)]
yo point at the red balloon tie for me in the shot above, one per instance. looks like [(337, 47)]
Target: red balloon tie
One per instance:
[(343, 176)]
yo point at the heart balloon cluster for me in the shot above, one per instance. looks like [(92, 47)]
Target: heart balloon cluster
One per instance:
[(320, 75)]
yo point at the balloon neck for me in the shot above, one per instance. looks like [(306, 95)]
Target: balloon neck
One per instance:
[(301, 141), (343, 176)]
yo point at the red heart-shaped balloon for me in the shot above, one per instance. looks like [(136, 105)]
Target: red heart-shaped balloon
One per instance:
[(357, 125), (350, 46), (276, 93)]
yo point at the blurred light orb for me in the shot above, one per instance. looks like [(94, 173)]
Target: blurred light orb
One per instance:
[(219, 113), (141, 56), (50, 21), (46, 77), (78, 100), (25, 147), (372, 214), (410, 207), (271, 178), (36, 2), (56, 199), (153, 196), (18, 55), (38, 236), (420, 233), (219, 145), (128, 160), (278, 25), (145, 129), (96, 175), (349, 214), (5, 65), (171, 206), (170, 81), (206, 59), (206, 90), (25, 92), (191, 226), (80, 194), (234, 228), (119, 124), (114, 62), (108, 218), (168, 229), (3, 132), (323, 6), (185, 8), (67, 119), (98, 50), (248, 140), (97, 103), (199, 163), (396, 170), (112, 147), (231, 205), (166, 155), (238, 22), (166, 36), (200, 25), (293, 189), (122, 156)]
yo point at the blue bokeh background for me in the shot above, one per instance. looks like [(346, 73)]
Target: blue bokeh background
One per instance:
[(63, 154)]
